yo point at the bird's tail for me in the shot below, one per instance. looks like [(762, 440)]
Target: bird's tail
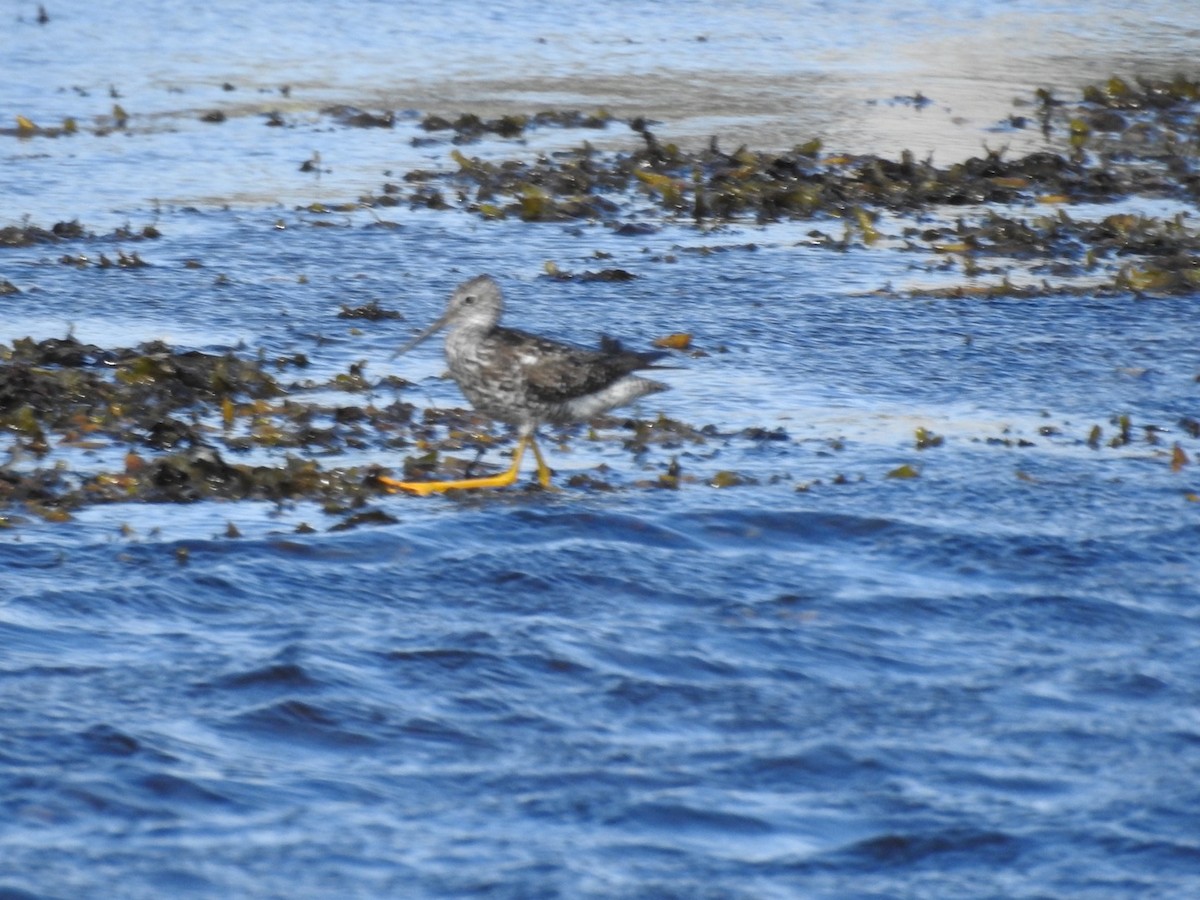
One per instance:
[(634, 359)]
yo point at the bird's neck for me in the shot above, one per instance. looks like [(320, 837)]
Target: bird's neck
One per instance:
[(466, 334)]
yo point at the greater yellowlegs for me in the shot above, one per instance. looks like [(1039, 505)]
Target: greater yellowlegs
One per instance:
[(524, 379)]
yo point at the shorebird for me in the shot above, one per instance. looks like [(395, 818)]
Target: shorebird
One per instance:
[(524, 379)]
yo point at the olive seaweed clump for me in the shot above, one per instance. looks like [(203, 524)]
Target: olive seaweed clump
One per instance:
[(154, 423), (1119, 140)]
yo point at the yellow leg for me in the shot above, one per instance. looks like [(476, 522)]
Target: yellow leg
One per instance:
[(503, 479), (543, 470)]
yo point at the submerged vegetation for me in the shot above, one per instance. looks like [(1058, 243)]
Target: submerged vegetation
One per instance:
[(1121, 140), (89, 425)]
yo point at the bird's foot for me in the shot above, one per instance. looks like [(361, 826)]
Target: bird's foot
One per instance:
[(420, 488), (425, 488), (503, 479)]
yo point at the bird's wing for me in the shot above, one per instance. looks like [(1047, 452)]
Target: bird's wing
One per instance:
[(555, 372)]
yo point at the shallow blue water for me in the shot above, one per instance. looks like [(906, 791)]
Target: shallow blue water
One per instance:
[(981, 682), (673, 698), (966, 684)]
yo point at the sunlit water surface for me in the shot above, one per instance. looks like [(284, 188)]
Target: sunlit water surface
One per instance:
[(978, 682)]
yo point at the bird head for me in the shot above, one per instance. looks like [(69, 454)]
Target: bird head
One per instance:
[(477, 303)]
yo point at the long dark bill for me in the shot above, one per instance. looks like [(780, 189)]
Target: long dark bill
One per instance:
[(432, 329)]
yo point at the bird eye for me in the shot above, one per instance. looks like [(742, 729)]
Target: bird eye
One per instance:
[(470, 298)]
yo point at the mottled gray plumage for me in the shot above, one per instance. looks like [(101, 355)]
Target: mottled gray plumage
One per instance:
[(524, 379)]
